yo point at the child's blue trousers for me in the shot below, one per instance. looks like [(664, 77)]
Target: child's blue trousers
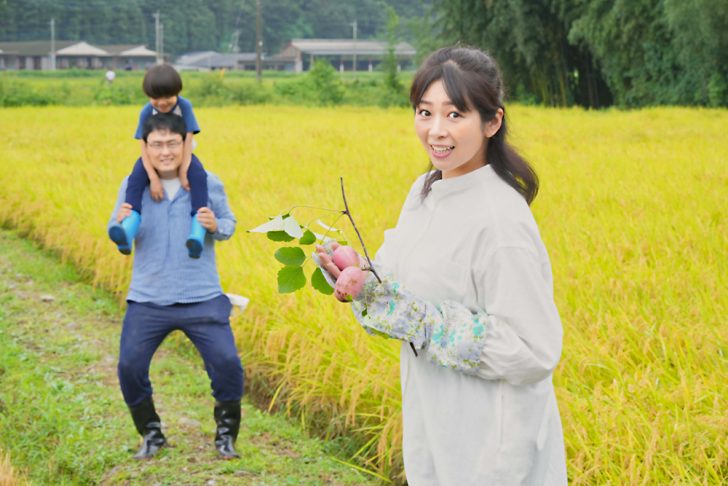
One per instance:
[(206, 324), (139, 180)]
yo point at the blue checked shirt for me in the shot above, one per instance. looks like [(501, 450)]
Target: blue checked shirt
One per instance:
[(163, 273)]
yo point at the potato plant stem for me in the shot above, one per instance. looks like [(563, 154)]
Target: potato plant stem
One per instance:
[(364, 247)]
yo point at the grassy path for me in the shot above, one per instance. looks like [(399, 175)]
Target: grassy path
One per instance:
[(62, 418)]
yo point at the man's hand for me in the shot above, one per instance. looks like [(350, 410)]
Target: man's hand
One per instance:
[(124, 211), (207, 219), (156, 189)]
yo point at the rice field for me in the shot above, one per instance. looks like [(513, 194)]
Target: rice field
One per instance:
[(8, 475), (631, 208)]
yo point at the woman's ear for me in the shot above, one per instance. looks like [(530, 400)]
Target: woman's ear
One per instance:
[(492, 126)]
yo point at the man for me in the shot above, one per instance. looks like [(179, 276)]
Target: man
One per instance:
[(169, 291)]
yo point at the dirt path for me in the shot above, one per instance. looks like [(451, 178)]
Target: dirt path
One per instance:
[(62, 418)]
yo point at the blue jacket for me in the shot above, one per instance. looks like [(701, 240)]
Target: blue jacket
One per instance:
[(163, 273)]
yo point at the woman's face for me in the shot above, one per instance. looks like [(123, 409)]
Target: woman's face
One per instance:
[(454, 140)]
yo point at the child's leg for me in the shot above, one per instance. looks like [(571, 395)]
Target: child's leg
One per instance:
[(198, 196), (198, 184), (137, 182), (123, 233)]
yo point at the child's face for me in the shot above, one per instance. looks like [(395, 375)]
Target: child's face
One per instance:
[(163, 105)]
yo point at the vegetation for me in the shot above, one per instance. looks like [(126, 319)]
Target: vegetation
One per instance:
[(592, 53), (8, 475), (62, 418), (599, 52), (631, 209), (320, 86), (189, 25)]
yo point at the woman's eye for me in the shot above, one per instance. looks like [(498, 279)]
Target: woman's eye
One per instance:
[(454, 114), (423, 112)]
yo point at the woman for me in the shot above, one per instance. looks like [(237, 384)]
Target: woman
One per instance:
[(467, 284)]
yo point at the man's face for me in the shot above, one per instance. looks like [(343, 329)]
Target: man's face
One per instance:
[(165, 152)]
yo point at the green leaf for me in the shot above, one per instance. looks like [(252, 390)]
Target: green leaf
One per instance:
[(307, 238), (319, 282), (291, 256), (290, 279), (279, 236)]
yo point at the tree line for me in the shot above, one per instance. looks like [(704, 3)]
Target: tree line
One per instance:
[(593, 53), (597, 53)]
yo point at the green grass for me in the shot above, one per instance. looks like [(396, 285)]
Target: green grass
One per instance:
[(62, 418), (85, 88)]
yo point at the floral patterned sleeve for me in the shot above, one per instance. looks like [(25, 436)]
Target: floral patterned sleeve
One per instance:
[(451, 334)]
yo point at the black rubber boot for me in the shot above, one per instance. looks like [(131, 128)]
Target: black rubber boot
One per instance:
[(227, 418), (149, 426)]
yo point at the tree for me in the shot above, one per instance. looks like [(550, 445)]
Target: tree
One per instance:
[(394, 91)]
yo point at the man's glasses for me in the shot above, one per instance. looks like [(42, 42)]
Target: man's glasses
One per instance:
[(171, 145)]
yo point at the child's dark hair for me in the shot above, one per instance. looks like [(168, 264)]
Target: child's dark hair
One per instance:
[(162, 81), (473, 82), (164, 122)]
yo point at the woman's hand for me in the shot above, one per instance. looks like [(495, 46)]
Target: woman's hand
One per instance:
[(348, 281), (326, 262)]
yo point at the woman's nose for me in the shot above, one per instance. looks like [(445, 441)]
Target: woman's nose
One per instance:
[(438, 127)]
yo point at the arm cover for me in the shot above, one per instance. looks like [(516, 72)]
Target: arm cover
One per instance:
[(518, 338), (451, 333)]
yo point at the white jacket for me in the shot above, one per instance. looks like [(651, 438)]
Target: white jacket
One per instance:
[(473, 241)]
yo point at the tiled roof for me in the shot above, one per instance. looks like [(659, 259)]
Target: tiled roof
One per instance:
[(74, 48), (333, 47), (33, 48)]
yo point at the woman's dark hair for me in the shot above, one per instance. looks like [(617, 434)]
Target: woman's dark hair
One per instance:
[(162, 81), (473, 81)]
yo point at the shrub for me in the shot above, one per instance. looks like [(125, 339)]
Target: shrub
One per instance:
[(326, 83)]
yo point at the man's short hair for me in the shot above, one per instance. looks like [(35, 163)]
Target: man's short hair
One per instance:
[(164, 122)]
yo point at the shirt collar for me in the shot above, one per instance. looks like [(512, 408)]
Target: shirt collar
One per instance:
[(452, 185)]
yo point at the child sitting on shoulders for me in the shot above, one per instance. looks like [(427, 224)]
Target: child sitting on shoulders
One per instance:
[(162, 85)]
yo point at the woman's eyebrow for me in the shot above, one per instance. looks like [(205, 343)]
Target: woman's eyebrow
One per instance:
[(429, 103)]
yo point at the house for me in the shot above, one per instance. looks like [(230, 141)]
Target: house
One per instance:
[(211, 60), (299, 54), (36, 55), (130, 56), (344, 53)]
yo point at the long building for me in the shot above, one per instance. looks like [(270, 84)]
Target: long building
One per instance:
[(344, 54), (38, 55)]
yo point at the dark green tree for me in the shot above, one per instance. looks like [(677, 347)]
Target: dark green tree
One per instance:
[(699, 31)]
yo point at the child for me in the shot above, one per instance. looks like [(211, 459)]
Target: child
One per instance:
[(162, 84)]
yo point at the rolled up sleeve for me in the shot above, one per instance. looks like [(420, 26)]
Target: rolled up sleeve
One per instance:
[(218, 203)]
